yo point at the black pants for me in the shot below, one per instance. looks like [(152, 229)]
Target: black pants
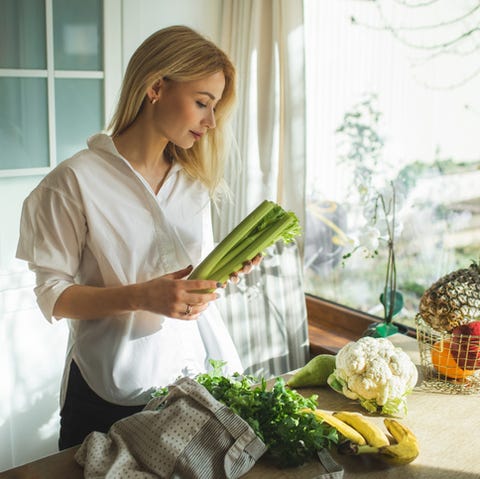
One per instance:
[(84, 411)]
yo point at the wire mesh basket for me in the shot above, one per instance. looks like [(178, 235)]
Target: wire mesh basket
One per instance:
[(449, 363)]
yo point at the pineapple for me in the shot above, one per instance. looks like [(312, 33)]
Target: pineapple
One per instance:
[(452, 300)]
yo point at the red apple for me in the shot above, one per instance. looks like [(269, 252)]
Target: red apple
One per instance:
[(465, 345)]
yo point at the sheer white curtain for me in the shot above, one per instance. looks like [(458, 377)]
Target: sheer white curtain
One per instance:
[(266, 311), (265, 40)]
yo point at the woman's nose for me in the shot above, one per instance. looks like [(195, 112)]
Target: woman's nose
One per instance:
[(209, 119)]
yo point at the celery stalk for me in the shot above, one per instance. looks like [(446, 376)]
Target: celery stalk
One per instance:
[(260, 229), (239, 247), (233, 238), (268, 237)]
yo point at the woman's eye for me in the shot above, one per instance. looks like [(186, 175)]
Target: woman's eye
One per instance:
[(201, 105)]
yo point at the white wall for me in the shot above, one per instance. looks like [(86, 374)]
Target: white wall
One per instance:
[(32, 350), (141, 18)]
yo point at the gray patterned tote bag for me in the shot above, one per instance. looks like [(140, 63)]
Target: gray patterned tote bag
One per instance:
[(186, 434)]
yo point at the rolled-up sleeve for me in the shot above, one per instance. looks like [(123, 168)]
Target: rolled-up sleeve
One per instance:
[(49, 286), (52, 238)]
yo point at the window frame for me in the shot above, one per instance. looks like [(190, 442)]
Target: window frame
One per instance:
[(323, 315), (332, 325), (111, 76)]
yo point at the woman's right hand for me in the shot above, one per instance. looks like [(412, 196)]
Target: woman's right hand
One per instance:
[(177, 297)]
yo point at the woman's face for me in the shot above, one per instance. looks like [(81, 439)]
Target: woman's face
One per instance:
[(185, 111)]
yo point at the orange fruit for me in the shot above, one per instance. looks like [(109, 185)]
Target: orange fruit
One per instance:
[(445, 363)]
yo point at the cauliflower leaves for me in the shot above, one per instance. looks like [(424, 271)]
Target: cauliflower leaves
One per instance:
[(376, 373)]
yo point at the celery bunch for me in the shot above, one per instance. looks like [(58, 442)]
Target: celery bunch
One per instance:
[(263, 227)]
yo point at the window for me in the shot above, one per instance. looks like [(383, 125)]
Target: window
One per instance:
[(51, 81), (393, 109)]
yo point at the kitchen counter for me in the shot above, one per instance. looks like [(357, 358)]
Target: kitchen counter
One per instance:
[(447, 427)]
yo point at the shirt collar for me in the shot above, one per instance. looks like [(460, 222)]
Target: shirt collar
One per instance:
[(103, 143)]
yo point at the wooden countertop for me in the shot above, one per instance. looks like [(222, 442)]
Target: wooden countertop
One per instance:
[(447, 427)]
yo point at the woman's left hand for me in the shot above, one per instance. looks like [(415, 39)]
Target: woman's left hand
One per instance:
[(247, 267)]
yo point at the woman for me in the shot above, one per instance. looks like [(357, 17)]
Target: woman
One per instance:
[(112, 232)]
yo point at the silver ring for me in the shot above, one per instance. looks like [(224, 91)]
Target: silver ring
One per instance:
[(188, 310)]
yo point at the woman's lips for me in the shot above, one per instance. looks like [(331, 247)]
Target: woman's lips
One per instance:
[(196, 134)]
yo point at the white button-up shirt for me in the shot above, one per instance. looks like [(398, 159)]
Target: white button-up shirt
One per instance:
[(95, 221)]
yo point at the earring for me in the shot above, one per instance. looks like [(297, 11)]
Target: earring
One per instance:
[(153, 101)]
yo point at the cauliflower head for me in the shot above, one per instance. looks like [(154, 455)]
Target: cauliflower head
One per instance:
[(376, 373)]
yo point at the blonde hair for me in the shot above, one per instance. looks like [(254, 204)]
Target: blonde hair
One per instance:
[(181, 54)]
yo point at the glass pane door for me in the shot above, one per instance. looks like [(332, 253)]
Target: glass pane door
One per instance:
[(77, 33), (51, 81), (22, 34), (23, 123)]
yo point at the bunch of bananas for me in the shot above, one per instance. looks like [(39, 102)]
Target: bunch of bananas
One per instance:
[(365, 437)]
